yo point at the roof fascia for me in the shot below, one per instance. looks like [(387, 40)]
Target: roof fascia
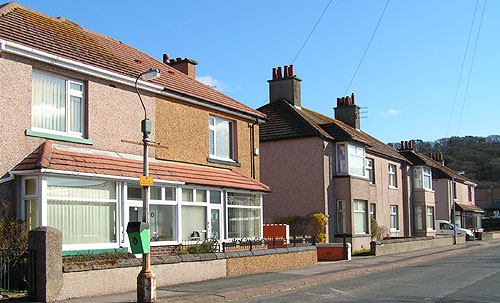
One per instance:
[(32, 53)]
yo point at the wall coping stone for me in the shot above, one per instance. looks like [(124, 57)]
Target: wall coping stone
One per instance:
[(122, 263), (414, 239)]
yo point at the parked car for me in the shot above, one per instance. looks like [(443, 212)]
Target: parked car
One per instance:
[(446, 228)]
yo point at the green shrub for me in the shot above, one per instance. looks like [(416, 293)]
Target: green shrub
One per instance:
[(208, 246), (13, 235), (182, 252), (375, 231)]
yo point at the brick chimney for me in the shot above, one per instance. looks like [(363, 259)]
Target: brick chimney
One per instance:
[(406, 145), (437, 157), (285, 85), (347, 111), (184, 65)]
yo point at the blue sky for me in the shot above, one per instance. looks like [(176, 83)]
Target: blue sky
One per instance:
[(406, 83)]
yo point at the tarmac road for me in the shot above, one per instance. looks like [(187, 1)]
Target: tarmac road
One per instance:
[(470, 277)]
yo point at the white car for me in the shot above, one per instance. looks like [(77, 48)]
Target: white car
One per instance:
[(446, 228)]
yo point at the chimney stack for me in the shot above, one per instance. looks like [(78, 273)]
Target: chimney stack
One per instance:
[(184, 65), (406, 145), (285, 85), (347, 111)]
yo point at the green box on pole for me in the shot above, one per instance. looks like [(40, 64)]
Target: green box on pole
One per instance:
[(138, 237)]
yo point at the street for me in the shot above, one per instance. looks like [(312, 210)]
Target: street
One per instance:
[(468, 277)]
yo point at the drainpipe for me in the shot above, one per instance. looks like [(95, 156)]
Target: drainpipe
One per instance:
[(406, 203), (252, 139)]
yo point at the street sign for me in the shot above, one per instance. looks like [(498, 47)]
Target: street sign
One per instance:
[(146, 181)]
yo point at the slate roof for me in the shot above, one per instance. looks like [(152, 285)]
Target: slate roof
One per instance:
[(438, 170), (64, 38), (67, 159), (286, 121), (469, 207)]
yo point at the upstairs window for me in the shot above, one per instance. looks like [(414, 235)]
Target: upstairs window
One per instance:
[(351, 160), (221, 138), (469, 188), (58, 104), (356, 160), (392, 176), (422, 178), (370, 170)]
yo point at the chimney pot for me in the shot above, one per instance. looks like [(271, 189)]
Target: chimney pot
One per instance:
[(352, 97), (275, 73), (280, 72), (166, 58), (402, 145), (285, 71), (291, 71), (410, 144), (285, 87)]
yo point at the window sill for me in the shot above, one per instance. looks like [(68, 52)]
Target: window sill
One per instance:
[(393, 187), (361, 235), (31, 133), (224, 162)]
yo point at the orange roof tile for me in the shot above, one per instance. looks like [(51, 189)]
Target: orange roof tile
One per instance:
[(47, 156), (62, 37)]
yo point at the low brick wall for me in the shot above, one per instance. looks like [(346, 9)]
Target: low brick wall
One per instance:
[(266, 260), (394, 246), (333, 251)]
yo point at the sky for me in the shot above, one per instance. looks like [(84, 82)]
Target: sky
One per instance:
[(409, 84)]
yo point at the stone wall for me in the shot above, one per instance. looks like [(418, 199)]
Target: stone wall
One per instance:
[(394, 246)]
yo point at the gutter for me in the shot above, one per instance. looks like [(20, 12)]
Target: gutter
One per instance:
[(28, 52), (8, 179)]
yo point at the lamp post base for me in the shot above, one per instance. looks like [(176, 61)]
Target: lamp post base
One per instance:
[(146, 287)]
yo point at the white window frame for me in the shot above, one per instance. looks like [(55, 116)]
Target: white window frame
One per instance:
[(69, 93), (341, 217), (365, 216), (227, 207), (430, 212), (418, 221), (373, 211), (139, 203), (370, 170), (394, 211), (118, 211), (393, 175), (212, 127), (358, 152)]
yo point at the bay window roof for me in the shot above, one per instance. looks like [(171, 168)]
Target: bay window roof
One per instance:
[(62, 159)]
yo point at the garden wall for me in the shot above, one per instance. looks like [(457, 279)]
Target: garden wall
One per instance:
[(92, 278), (394, 246)]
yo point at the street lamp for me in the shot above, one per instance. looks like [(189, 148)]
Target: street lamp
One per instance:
[(146, 280), (453, 196)]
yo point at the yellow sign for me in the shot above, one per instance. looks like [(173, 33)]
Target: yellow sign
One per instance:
[(146, 181)]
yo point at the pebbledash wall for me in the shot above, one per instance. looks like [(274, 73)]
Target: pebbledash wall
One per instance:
[(190, 143), (84, 279)]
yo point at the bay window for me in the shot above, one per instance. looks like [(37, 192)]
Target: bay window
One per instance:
[(340, 217), (418, 218), (422, 178), (58, 104), (430, 218), (352, 160), (221, 138), (360, 217)]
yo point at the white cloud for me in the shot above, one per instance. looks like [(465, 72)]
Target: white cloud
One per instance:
[(392, 112), (213, 83)]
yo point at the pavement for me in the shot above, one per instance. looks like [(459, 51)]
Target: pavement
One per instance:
[(229, 289)]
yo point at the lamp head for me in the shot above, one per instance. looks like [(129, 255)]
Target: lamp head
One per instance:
[(152, 73)]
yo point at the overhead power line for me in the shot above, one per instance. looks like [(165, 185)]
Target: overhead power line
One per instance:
[(471, 65), (312, 31), (367, 47), (462, 68)]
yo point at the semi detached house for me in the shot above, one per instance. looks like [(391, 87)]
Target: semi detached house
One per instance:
[(71, 133)]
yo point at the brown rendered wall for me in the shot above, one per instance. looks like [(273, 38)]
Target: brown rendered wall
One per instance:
[(183, 129), (114, 114), (294, 171), (485, 197), (423, 198), (442, 189)]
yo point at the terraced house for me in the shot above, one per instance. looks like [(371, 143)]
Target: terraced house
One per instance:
[(71, 140), (318, 164)]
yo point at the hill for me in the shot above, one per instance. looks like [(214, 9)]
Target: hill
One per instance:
[(479, 157)]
